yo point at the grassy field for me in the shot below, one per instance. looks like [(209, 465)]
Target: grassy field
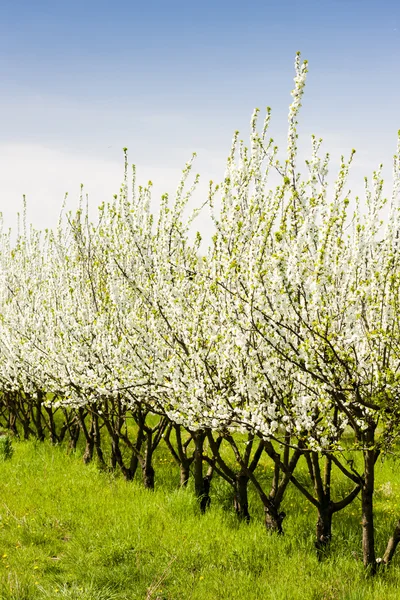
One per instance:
[(68, 530)]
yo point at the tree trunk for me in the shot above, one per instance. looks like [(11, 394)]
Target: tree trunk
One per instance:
[(205, 499), (134, 462), (201, 483), (88, 454), (116, 455), (74, 436), (240, 500), (184, 473), (323, 530), (274, 519), (368, 542), (148, 476), (12, 424), (52, 425), (147, 467), (37, 417), (97, 440), (27, 429), (392, 545), (198, 463)]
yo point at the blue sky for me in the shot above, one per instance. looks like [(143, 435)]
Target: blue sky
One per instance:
[(81, 80)]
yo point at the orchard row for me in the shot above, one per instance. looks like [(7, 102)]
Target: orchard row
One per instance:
[(285, 330)]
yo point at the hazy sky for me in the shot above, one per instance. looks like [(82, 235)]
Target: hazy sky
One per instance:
[(81, 80)]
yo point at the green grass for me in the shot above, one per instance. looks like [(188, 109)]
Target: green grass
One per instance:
[(70, 531)]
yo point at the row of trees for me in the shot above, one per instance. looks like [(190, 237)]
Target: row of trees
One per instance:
[(286, 330)]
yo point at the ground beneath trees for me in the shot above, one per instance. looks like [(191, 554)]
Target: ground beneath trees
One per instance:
[(68, 530)]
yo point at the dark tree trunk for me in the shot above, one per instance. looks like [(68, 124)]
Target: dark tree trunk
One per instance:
[(180, 453), (116, 456), (74, 433), (238, 480), (205, 499), (27, 429), (147, 467), (283, 474), (148, 476), (324, 529), (97, 440), (274, 519), (368, 542), (240, 500), (72, 425), (12, 424), (134, 462), (88, 454), (201, 483), (198, 463), (37, 417), (63, 431), (392, 545), (12, 412), (184, 473), (52, 425), (133, 465)]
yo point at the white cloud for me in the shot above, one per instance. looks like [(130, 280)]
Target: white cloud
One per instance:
[(45, 174)]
